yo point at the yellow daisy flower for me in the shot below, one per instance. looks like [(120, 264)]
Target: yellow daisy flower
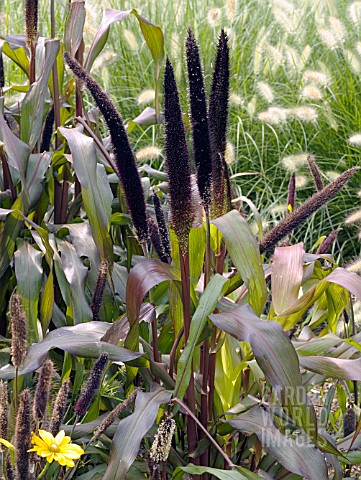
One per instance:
[(56, 448)]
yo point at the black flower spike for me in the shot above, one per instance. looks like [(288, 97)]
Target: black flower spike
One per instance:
[(2, 72), (59, 408), (23, 436), (349, 422), (42, 390), (218, 113), (4, 413), (303, 212), (199, 120), (91, 385), (327, 243), (47, 131), (162, 225), (177, 161), (291, 198), (124, 157), (99, 290), (156, 240), (315, 173), (31, 20)]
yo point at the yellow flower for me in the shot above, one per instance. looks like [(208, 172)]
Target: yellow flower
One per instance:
[(56, 448)]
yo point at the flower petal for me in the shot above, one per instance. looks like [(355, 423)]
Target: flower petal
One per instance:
[(47, 437), (59, 438)]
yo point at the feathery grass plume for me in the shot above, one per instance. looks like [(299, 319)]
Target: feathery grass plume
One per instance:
[(31, 20), (91, 385), (305, 114), (332, 175), (349, 422), (109, 419), (199, 120), (327, 243), (177, 161), (148, 153), (354, 217), (316, 77), (19, 330), (2, 72), (291, 198), (354, 11), (124, 157), (231, 9), (23, 436), (266, 91), (301, 181), (99, 290), (355, 265), (47, 131), (162, 226), (303, 212), (218, 113), (59, 408), (316, 175), (4, 412), (131, 39), (147, 96), (293, 162), (214, 14), (162, 442), (355, 139), (229, 154), (312, 92), (273, 115), (42, 390)]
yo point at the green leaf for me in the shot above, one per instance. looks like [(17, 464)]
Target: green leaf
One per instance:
[(206, 305), (144, 276), (47, 302), (15, 50), (298, 456), (83, 340), (92, 179), (287, 273), (271, 346), (75, 273), (339, 368), (74, 26), (32, 109), (221, 474), (244, 252), (12, 228), (29, 272), (132, 429)]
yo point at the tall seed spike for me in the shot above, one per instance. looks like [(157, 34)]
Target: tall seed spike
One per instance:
[(327, 243), (162, 225), (91, 385), (156, 240), (177, 161), (59, 408), (42, 390), (218, 113), (31, 20), (23, 436), (2, 72), (291, 198), (124, 157), (47, 131), (199, 120), (315, 173), (99, 290), (19, 330), (4, 412), (303, 212)]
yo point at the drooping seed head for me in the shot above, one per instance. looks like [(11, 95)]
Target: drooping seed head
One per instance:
[(156, 241), (162, 442), (303, 212), (124, 157), (177, 161), (91, 385), (199, 120)]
